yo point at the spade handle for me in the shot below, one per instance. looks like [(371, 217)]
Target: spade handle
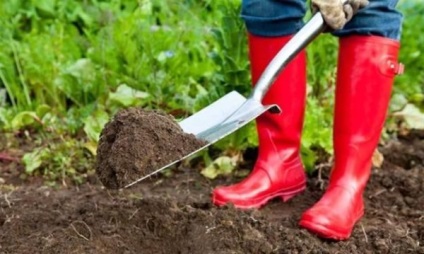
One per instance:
[(296, 44)]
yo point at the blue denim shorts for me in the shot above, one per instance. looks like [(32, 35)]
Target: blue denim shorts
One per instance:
[(285, 17)]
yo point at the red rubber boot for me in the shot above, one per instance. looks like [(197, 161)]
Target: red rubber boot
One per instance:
[(278, 171), (367, 67)]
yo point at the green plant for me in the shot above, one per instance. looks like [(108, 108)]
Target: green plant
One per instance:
[(411, 83), (59, 160)]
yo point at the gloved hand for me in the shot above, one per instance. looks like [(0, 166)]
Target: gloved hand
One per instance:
[(335, 13)]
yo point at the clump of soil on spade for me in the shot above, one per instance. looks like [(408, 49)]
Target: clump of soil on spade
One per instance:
[(137, 142)]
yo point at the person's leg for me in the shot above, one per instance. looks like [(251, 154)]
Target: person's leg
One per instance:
[(273, 18), (278, 170), (367, 65), (378, 18)]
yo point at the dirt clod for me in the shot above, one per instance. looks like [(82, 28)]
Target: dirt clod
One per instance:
[(137, 142)]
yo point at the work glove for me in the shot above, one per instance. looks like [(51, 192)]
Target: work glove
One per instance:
[(335, 13)]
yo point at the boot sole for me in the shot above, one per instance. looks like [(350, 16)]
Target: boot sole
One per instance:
[(328, 233), (259, 202), (324, 232)]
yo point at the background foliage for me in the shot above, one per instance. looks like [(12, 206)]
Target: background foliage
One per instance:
[(67, 66)]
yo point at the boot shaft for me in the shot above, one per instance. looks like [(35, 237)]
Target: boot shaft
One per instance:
[(367, 66), (279, 134), (366, 69)]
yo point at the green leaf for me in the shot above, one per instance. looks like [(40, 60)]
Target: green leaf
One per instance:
[(45, 8), (42, 110), (24, 119), (128, 96), (413, 117), (81, 68), (145, 7), (94, 124), (222, 165), (91, 146), (397, 102), (34, 159), (418, 99)]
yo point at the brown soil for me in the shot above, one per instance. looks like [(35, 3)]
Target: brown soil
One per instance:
[(174, 215), (137, 142)]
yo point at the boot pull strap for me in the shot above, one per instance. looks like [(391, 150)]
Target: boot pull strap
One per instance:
[(392, 67)]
